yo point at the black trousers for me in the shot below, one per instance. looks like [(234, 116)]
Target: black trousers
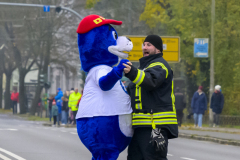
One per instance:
[(179, 116), (54, 120), (216, 118), (141, 149), (14, 106), (74, 116)]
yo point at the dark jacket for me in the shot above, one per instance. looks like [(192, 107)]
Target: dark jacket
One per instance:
[(65, 106), (180, 101), (217, 102), (156, 89), (199, 103), (50, 103)]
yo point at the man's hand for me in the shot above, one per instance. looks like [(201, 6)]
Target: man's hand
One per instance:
[(128, 67)]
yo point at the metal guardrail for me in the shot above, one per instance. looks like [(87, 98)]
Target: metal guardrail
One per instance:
[(223, 120)]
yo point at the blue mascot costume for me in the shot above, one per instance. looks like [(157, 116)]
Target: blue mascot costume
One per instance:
[(104, 114)]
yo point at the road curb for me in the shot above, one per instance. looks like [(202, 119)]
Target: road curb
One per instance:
[(66, 126), (212, 139)]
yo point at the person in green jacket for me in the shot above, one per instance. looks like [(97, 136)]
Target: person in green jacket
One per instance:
[(72, 103), (54, 113)]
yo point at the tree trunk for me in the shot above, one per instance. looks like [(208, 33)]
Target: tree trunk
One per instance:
[(1, 88), (7, 96), (22, 94), (36, 99)]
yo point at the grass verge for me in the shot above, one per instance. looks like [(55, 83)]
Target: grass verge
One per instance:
[(33, 118), (5, 111)]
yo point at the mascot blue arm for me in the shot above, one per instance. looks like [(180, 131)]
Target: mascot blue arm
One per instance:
[(107, 82)]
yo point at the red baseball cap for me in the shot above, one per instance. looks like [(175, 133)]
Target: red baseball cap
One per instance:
[(93, 21)]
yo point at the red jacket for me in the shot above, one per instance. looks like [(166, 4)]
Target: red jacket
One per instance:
[(14, 96)]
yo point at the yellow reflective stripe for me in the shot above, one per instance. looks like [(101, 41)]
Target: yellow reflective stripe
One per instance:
[(138, 94), (173, 98), (159, 64), (156, 122), (155, 115), (140, 77)]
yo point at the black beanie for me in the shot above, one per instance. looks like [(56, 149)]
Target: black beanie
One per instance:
[(155, 40)]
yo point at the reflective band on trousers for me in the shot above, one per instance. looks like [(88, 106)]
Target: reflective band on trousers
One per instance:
[(140, 77), (159, 64)]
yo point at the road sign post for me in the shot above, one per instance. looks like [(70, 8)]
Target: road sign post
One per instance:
[(171, 48), (46, 8), (201, 47)]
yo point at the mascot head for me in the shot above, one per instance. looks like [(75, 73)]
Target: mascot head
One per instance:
[(97, 42)]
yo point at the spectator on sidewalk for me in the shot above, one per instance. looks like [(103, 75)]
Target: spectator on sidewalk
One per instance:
[(180, 104), (64, 109), (50, 101), (217, 102), (66, 96), (73, 100), (15, 99), (54, 113), (58, 99), (71, 91), (199, 106)]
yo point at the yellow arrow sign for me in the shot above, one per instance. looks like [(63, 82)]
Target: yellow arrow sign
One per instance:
[(171, 48)]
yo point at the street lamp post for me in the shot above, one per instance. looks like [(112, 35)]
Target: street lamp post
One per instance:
[(211, 89)]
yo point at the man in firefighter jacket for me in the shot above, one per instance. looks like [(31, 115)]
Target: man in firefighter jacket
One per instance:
[(154, 115)]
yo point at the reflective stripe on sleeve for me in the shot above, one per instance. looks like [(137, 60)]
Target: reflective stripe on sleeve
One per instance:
[(159, 64), (140, 77)]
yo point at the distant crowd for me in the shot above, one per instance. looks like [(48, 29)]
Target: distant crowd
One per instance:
[(63, 107)]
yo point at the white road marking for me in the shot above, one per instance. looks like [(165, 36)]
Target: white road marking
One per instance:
[(12, 154), (169, 154), (4, 158), (73, 133), (9, 129), (187, 158)]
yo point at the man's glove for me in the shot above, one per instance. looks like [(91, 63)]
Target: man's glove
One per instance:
[(158, 140)]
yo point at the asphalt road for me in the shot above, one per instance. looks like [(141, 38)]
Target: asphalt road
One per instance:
[(27, 140)]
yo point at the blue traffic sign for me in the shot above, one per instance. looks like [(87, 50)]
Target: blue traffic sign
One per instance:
[(46, 8), (201, 47)]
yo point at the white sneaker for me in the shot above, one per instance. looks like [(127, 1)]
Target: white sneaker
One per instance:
[(214, 125), (195, 126)]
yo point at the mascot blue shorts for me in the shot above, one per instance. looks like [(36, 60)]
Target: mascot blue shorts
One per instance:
[(104, 114)]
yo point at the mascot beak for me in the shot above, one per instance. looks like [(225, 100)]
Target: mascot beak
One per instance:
[(123, 44)]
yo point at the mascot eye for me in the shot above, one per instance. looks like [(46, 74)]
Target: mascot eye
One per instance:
[(114, 35)]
